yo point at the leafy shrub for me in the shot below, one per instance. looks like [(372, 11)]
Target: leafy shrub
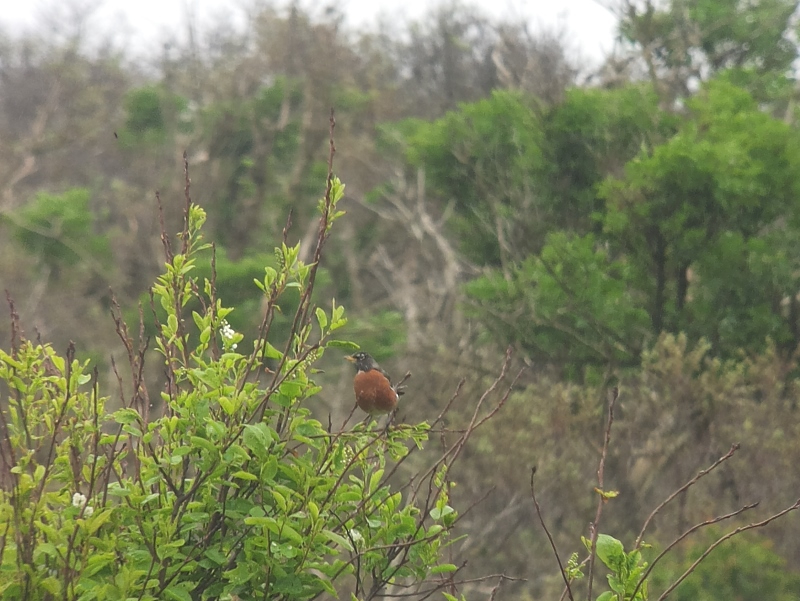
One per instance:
[(231, 491), (58, 228)]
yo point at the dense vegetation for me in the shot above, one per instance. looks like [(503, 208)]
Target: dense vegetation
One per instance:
[(637, 226)]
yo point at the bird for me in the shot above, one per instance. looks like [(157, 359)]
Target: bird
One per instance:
[(373, 387)]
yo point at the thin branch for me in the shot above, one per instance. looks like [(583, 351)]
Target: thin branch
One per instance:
[(694, 528), (549, 536), (722, 539), (15, 327), (700, 474), (164, 236), (187, 207), (600, 478)]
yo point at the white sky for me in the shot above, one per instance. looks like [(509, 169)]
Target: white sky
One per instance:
[(142, 24)]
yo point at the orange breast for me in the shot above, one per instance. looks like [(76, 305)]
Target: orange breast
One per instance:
[(374, 393)]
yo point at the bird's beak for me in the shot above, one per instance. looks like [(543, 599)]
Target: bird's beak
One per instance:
[(350, 358)]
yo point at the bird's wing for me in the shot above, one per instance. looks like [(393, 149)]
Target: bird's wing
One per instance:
[(378, 368), (400, 390), (383, 371)]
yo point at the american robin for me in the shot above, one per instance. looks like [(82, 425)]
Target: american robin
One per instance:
[(374, 391)]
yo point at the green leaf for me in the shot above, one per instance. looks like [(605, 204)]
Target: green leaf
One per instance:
[(322, 319), (292, 390), (343, 344), (172, 323), (51, 585), (338, 539), (204, 444), (98, 519), (607, 494), (291, 534), (438, 514), (97, 562), (215, 555), (150, 497), (263, 521), (443, 568), (126, 416), (610, 550), (269, 469), (257, 438), (43, 548), (270, 352), (177, 593), (375, 480), (308, 428), (227, 405)]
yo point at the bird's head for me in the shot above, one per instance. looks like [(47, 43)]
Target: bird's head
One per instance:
[(362, 361)]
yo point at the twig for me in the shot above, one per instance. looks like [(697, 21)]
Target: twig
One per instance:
[(403, 380), (15, 328), (600, 478), (164, 236), (700, 474), (715, 520), (549, 536), (304, 305), (722, 539), (187, 206)]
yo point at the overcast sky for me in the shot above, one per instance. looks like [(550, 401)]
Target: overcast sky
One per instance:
[(142, 23)]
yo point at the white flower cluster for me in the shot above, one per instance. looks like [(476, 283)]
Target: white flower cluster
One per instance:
[(79, 500), (227, 335), (355, 536)]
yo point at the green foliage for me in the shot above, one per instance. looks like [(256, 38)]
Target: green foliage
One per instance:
[(729, 169), (150, 112), (59, 229), (594, 132), (233, 490), (711, 36), (383, 333), (144, 111), (571, 304), (487, 159), (626, 570), (744, 292), (255, 141), (756, 31), (653, 249), (233, 279), (745, 568)]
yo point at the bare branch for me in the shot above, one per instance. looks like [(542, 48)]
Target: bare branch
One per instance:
[(614, 395), (722, 539), (700, 474), (715, 520), (549, 536)]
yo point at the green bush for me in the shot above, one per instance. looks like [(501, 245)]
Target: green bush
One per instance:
[(231, 489), (745, 568), (59, 229)]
